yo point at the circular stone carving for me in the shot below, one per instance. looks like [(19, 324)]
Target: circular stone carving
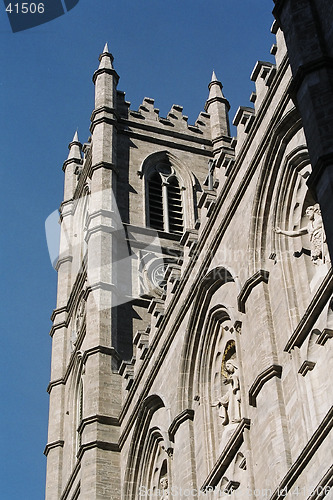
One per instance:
[(157, 276)]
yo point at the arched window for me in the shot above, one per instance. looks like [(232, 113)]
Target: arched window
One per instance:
[(165, 200)]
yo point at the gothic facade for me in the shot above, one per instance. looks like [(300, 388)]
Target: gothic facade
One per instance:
[(192, 337)]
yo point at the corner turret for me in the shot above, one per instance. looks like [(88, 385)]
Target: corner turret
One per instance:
[(103, 117), (106, 80), (70, 166), (218, 108)]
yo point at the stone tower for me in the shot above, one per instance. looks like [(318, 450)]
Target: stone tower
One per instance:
[(192, 335)]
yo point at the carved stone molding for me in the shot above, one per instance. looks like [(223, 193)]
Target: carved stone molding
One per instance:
[(56, 327), (238, 326), (101, 445), (78, 161), (260, 381), (126, 369), (60, 310), (258, 277), (188, 237), (325, 335), (312, 312), (180, 419), (54, 444), (325, 484), (306, 367), (100, 419), (242, 465), (227, 455), (54, 383), (100, 285), (62, 260), (141, 341), (70, 481), (100, 349), (305, 456), (231, 486)]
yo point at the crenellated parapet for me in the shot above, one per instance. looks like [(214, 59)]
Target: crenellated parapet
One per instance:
[(148, 115)]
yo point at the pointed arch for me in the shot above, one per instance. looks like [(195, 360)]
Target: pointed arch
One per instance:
[(74, 410), (209, 343), (280, 201), (277, 167), (169, 187), (213, 281), (148, 460)]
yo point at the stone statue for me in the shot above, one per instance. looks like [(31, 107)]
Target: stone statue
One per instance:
[(316, 232), (80, 315), (78, 323), (229, 404), (164, 485)]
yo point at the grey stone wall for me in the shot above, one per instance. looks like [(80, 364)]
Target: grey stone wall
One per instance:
[(220, 380)]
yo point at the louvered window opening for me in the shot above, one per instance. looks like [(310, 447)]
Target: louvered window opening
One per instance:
[(165, 205), (156, 202), (175, 207)]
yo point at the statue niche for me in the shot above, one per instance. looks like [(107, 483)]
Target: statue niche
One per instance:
[(229, 402)]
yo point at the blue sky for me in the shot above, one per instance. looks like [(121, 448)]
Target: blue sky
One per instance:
[(163, 49)]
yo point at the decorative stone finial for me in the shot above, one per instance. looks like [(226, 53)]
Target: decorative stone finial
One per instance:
[(214, 78), (75, 148), (105, 64)]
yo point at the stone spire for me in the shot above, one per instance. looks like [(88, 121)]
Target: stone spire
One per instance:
[(218, 107), (106, 80), (75, 148), (70, 166)]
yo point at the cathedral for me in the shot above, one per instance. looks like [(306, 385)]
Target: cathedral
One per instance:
[(192, 335)]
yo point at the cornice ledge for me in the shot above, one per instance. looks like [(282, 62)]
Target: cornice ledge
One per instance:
[(54, 383), (54, 444), (100, 349), (250, 283), (260, 381), (103, 228), (76, 161), (99, 419), (312, 312), (217, 99), (100, 285), (101, 445), (104, 119), (104, 164), (187, 414), (56, 327), (102, 109), (109, 214), (165, 138), (59, 310), (306, 367), (61, 261), (305, 456), (325, 335), (227, 455), (108, 71)]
